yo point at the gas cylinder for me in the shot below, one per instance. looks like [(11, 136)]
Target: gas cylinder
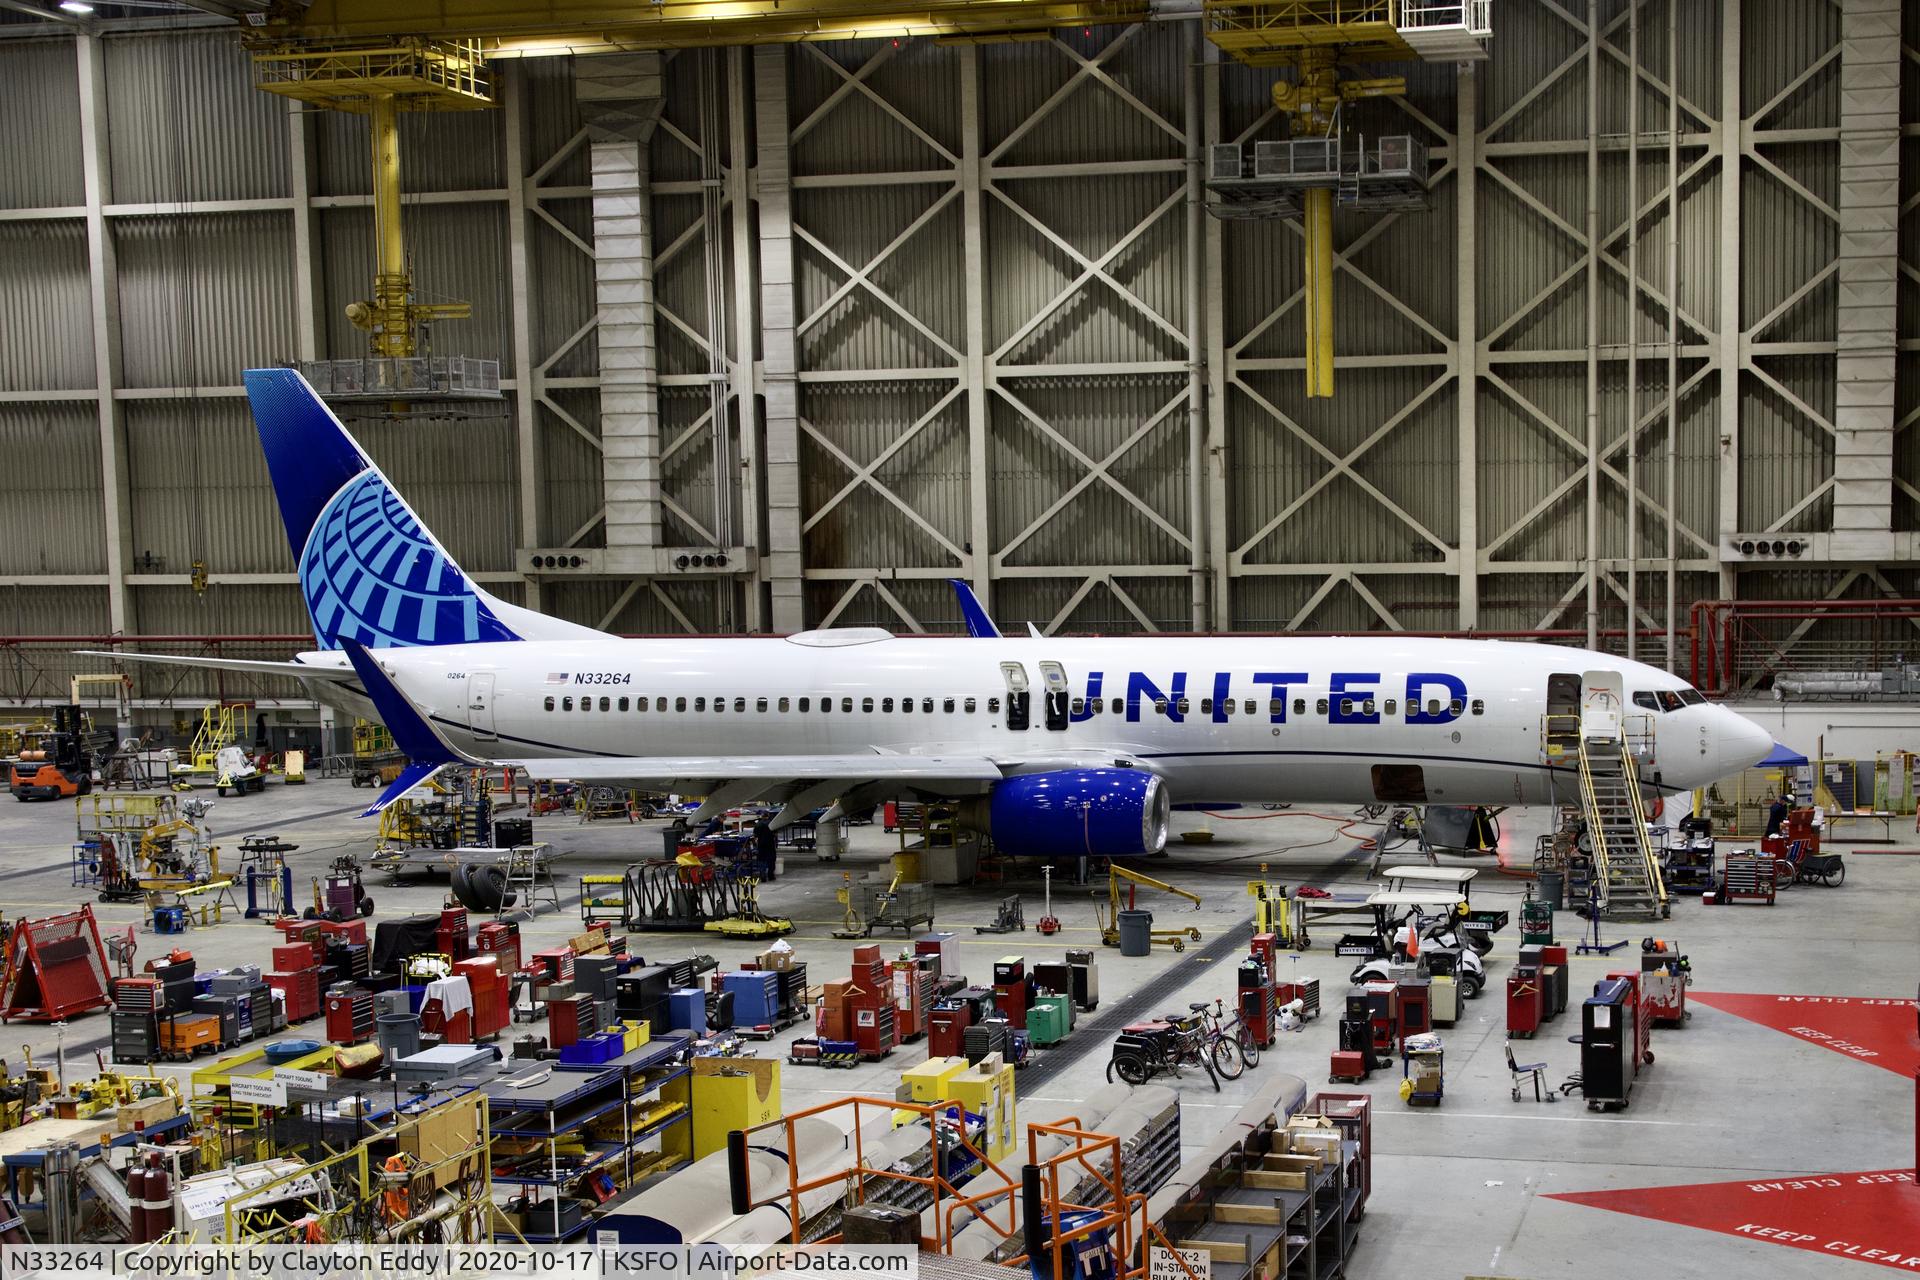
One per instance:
[(159, 1199)]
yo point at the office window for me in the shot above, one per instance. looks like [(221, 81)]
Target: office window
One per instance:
[(993, 706), (549, 704), (968, 705), (946, 705), (679, 704), (1479, 707), (760, 704), (866, 705), (566, 704), (623, 704), (886, 704)]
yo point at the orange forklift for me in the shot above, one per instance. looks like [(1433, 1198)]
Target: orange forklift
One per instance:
[(60, 765)]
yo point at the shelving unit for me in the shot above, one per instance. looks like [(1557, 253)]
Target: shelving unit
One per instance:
[(628, 1121)]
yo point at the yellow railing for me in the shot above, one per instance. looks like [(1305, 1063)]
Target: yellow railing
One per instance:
[(1596, 831), (1656, 882)]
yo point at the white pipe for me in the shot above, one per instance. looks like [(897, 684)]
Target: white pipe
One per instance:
[(1633, 329), (1593, 323), (1196, 334)]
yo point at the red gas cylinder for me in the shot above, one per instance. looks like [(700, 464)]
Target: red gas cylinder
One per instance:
[(159, 1199), (137, 1204)]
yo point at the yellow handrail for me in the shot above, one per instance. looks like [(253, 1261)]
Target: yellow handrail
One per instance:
[(1656, 882), (1596, 831)]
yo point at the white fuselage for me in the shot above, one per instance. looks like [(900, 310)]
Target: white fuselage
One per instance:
[(1321, 720)]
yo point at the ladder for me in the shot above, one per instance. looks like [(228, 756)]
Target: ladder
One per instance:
[(529, 882), (1624, 862)]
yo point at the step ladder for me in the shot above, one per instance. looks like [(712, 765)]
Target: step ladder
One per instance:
[(529, 882), (1626, 867)]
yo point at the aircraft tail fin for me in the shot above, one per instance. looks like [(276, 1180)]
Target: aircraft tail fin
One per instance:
[(979, 621)]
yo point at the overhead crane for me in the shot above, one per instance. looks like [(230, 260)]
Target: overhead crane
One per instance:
[(1301, 177)]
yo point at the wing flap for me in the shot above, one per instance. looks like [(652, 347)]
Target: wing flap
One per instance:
[(297, 670), (770, 769)]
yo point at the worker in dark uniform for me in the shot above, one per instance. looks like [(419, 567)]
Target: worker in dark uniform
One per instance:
[(1777, 815)]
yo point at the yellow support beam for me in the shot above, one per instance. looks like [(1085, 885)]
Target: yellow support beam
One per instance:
[(535, 28), (1318, 278)]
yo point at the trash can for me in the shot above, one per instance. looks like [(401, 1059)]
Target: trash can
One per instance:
[(1136, 933), (1552, 885), (398, 1035)]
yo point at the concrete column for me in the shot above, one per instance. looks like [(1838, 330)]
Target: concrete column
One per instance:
[(779, 386), (103, 292), (1868, 278)]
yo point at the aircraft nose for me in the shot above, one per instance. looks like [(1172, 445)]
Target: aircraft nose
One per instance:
[(1743, 743)]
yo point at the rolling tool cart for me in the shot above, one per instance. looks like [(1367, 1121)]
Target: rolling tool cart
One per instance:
[(1609, 1039), (1665, 976), (1747, 877), (1423, 1071)]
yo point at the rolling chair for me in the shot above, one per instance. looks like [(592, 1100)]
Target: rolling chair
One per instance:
[(1529, 1071)]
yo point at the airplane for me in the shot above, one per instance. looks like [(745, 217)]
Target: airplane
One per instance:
[(1048, 744)]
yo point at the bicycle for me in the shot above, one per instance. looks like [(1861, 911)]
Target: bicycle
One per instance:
[(1237, 1030), (1143, 1052)]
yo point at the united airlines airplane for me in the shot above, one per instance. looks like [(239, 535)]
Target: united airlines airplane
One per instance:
[(1054, 744)]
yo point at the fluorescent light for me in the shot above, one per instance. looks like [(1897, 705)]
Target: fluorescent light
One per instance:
[(76, 6)]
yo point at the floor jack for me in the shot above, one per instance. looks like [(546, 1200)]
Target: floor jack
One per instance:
[(1049, 923), (1591, 944)]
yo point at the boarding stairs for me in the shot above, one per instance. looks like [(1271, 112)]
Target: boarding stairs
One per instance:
[(1625, 865)]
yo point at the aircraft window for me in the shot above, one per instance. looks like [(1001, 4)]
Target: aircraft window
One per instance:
[(1160, 706), (1278, 707), (1647, 700), (1479, 707), (699, 704), (740, 704), (606, 704), (1119, 707), (1456, 706), (566, 704), (1346, 706), (947, 706), (1299, 706), (639, 704), (1691, 697), (1249, 706), (993, 706), (586, 704), (1433, 706), (679, 704), (1079, 706), (1321, 706), (866, 705), (926, 706), (846, 704), (968, 704), (1366, 708), (623, 704), (659, 704), (719, 705), (1392, 706), (906, 706), (549, 704), (806, 704), (886, 704), (1184, 704), (1206, 706), (784, 705), (760, 704), (1670, 701)]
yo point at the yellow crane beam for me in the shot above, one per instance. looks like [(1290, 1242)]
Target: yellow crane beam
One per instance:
[(534, 28)]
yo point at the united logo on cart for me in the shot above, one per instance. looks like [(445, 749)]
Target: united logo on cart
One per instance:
[(1863, 1217), (1867, 1029)]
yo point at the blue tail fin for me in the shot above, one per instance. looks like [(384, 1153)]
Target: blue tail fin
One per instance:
[(426, 750), (979, 622), (369, 570)]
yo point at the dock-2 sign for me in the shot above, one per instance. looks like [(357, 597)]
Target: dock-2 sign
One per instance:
[(1163, 1265)]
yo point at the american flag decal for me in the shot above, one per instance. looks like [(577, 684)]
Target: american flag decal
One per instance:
[(556, 677)]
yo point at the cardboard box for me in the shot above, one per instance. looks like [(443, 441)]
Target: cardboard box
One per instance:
[(777, 961)]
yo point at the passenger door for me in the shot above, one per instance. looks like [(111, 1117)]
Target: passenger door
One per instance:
[(480, 705), (1053, 686)]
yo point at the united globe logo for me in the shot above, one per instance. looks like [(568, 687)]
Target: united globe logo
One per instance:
[(372, 574)]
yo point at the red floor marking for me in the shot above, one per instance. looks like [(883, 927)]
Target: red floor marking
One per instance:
[(1866, 1217), (1879, 1031)]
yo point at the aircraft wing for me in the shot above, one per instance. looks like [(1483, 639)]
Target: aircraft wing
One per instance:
[(772, 771)]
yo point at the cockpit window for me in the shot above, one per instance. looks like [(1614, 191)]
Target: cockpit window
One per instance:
[(1664, 700), (1691, 697), (1647, 700)]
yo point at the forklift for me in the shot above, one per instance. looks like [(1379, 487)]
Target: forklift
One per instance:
[(60, 766)]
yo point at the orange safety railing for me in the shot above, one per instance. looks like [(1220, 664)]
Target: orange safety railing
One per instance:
[(856, 1178), (1097, 1155)]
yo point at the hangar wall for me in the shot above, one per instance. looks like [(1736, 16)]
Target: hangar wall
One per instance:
[(1104, 429)]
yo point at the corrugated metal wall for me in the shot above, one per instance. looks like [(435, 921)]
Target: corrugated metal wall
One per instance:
[(207, 292)]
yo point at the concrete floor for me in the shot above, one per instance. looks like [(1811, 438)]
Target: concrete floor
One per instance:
[(1458, 1190)]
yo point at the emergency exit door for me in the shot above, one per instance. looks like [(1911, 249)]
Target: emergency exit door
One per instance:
[(1056, 698), (480, 704), (1018, 695)]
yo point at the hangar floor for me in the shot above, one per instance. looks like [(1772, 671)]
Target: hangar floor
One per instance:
[(1758, 1094)]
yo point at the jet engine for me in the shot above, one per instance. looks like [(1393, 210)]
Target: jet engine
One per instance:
[(1101, 813)]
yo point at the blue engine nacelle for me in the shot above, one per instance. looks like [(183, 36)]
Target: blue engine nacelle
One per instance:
[(1101, 813)]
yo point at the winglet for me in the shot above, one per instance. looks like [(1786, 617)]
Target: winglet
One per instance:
[(979, 625), (426, 748)]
